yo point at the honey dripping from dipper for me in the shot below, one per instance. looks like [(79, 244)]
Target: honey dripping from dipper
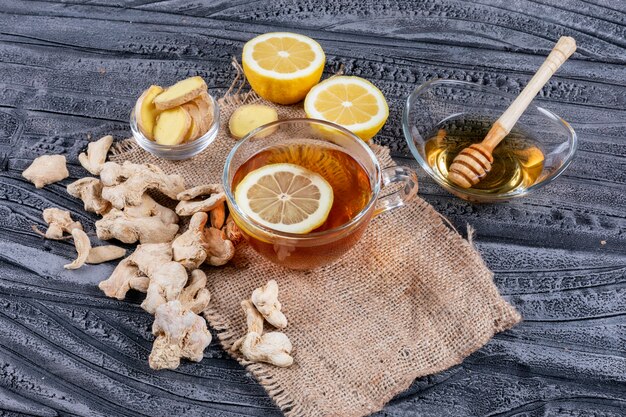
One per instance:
[(517, 160)]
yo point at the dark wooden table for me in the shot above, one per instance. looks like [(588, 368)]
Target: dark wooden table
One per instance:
[(72, 69)]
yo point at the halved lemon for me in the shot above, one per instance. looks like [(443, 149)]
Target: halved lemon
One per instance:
[(352, 102), (282, 67), (285, 197)]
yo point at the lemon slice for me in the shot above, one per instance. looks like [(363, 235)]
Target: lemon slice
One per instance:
[(351, 102), (285, 197), (282, 67)]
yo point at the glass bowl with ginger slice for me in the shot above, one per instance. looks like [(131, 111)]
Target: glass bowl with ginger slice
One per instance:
[(176, 133)]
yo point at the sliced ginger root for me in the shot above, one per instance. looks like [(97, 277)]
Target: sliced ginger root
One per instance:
[(265, 300), (204, 102), (146, 112), (83, 247), (46, 169), (93, 160), (172, 126), (248, 117), (180, 93)]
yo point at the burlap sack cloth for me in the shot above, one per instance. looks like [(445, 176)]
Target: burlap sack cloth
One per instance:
[(412, 298)]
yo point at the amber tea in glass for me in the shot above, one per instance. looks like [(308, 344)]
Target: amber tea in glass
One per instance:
[(348, 179), (343, 160)]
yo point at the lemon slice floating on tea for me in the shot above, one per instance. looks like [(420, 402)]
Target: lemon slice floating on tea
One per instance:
[(352, 102), (285, 197), (282, 67)]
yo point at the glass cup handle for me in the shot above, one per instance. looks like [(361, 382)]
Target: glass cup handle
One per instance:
[(392, 175)]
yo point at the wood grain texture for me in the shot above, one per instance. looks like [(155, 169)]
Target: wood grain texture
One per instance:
[(70, 71)]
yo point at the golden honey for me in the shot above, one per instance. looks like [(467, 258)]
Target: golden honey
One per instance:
[(517, 160)]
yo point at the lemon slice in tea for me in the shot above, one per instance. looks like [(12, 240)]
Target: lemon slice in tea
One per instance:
[(285, 197)]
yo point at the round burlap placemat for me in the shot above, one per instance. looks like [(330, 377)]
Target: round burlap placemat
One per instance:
[(412, 298)]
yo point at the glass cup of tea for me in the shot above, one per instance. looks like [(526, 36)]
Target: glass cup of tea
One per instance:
[(346, 162)]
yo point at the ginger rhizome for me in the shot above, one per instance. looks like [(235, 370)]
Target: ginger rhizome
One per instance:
[(46, 169), (124, 185), (265, 300), (89, 190), (203, 198), (83, 247), (273, 347), (59, 222), (93, 160), (165, 263), (100, 254), (165, 285), (180, 333)]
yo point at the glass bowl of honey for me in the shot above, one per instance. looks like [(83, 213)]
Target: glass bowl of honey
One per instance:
[(442, 117)]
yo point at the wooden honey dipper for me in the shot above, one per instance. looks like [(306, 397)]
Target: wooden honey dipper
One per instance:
[(474, 162)]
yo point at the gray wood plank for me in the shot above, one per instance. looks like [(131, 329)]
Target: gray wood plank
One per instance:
[(71, 71)]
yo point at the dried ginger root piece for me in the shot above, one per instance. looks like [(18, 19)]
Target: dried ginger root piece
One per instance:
[(254, 322), (219, 250), (146, 112), (180, 333), (256, 346), (100, 254), (96, 155), (150, 208), (202, 198), (232, 231), (83, 246), (125, 276), (180, 93), (59, 221), (189, 248), (125, 185), (199, 191), (172, 126), (195, 296), (166, 284), (273, 348), (46, 169), (89, 190), (135, 270), (265, 300), (217, 216), (248, 117), (117, 224)]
